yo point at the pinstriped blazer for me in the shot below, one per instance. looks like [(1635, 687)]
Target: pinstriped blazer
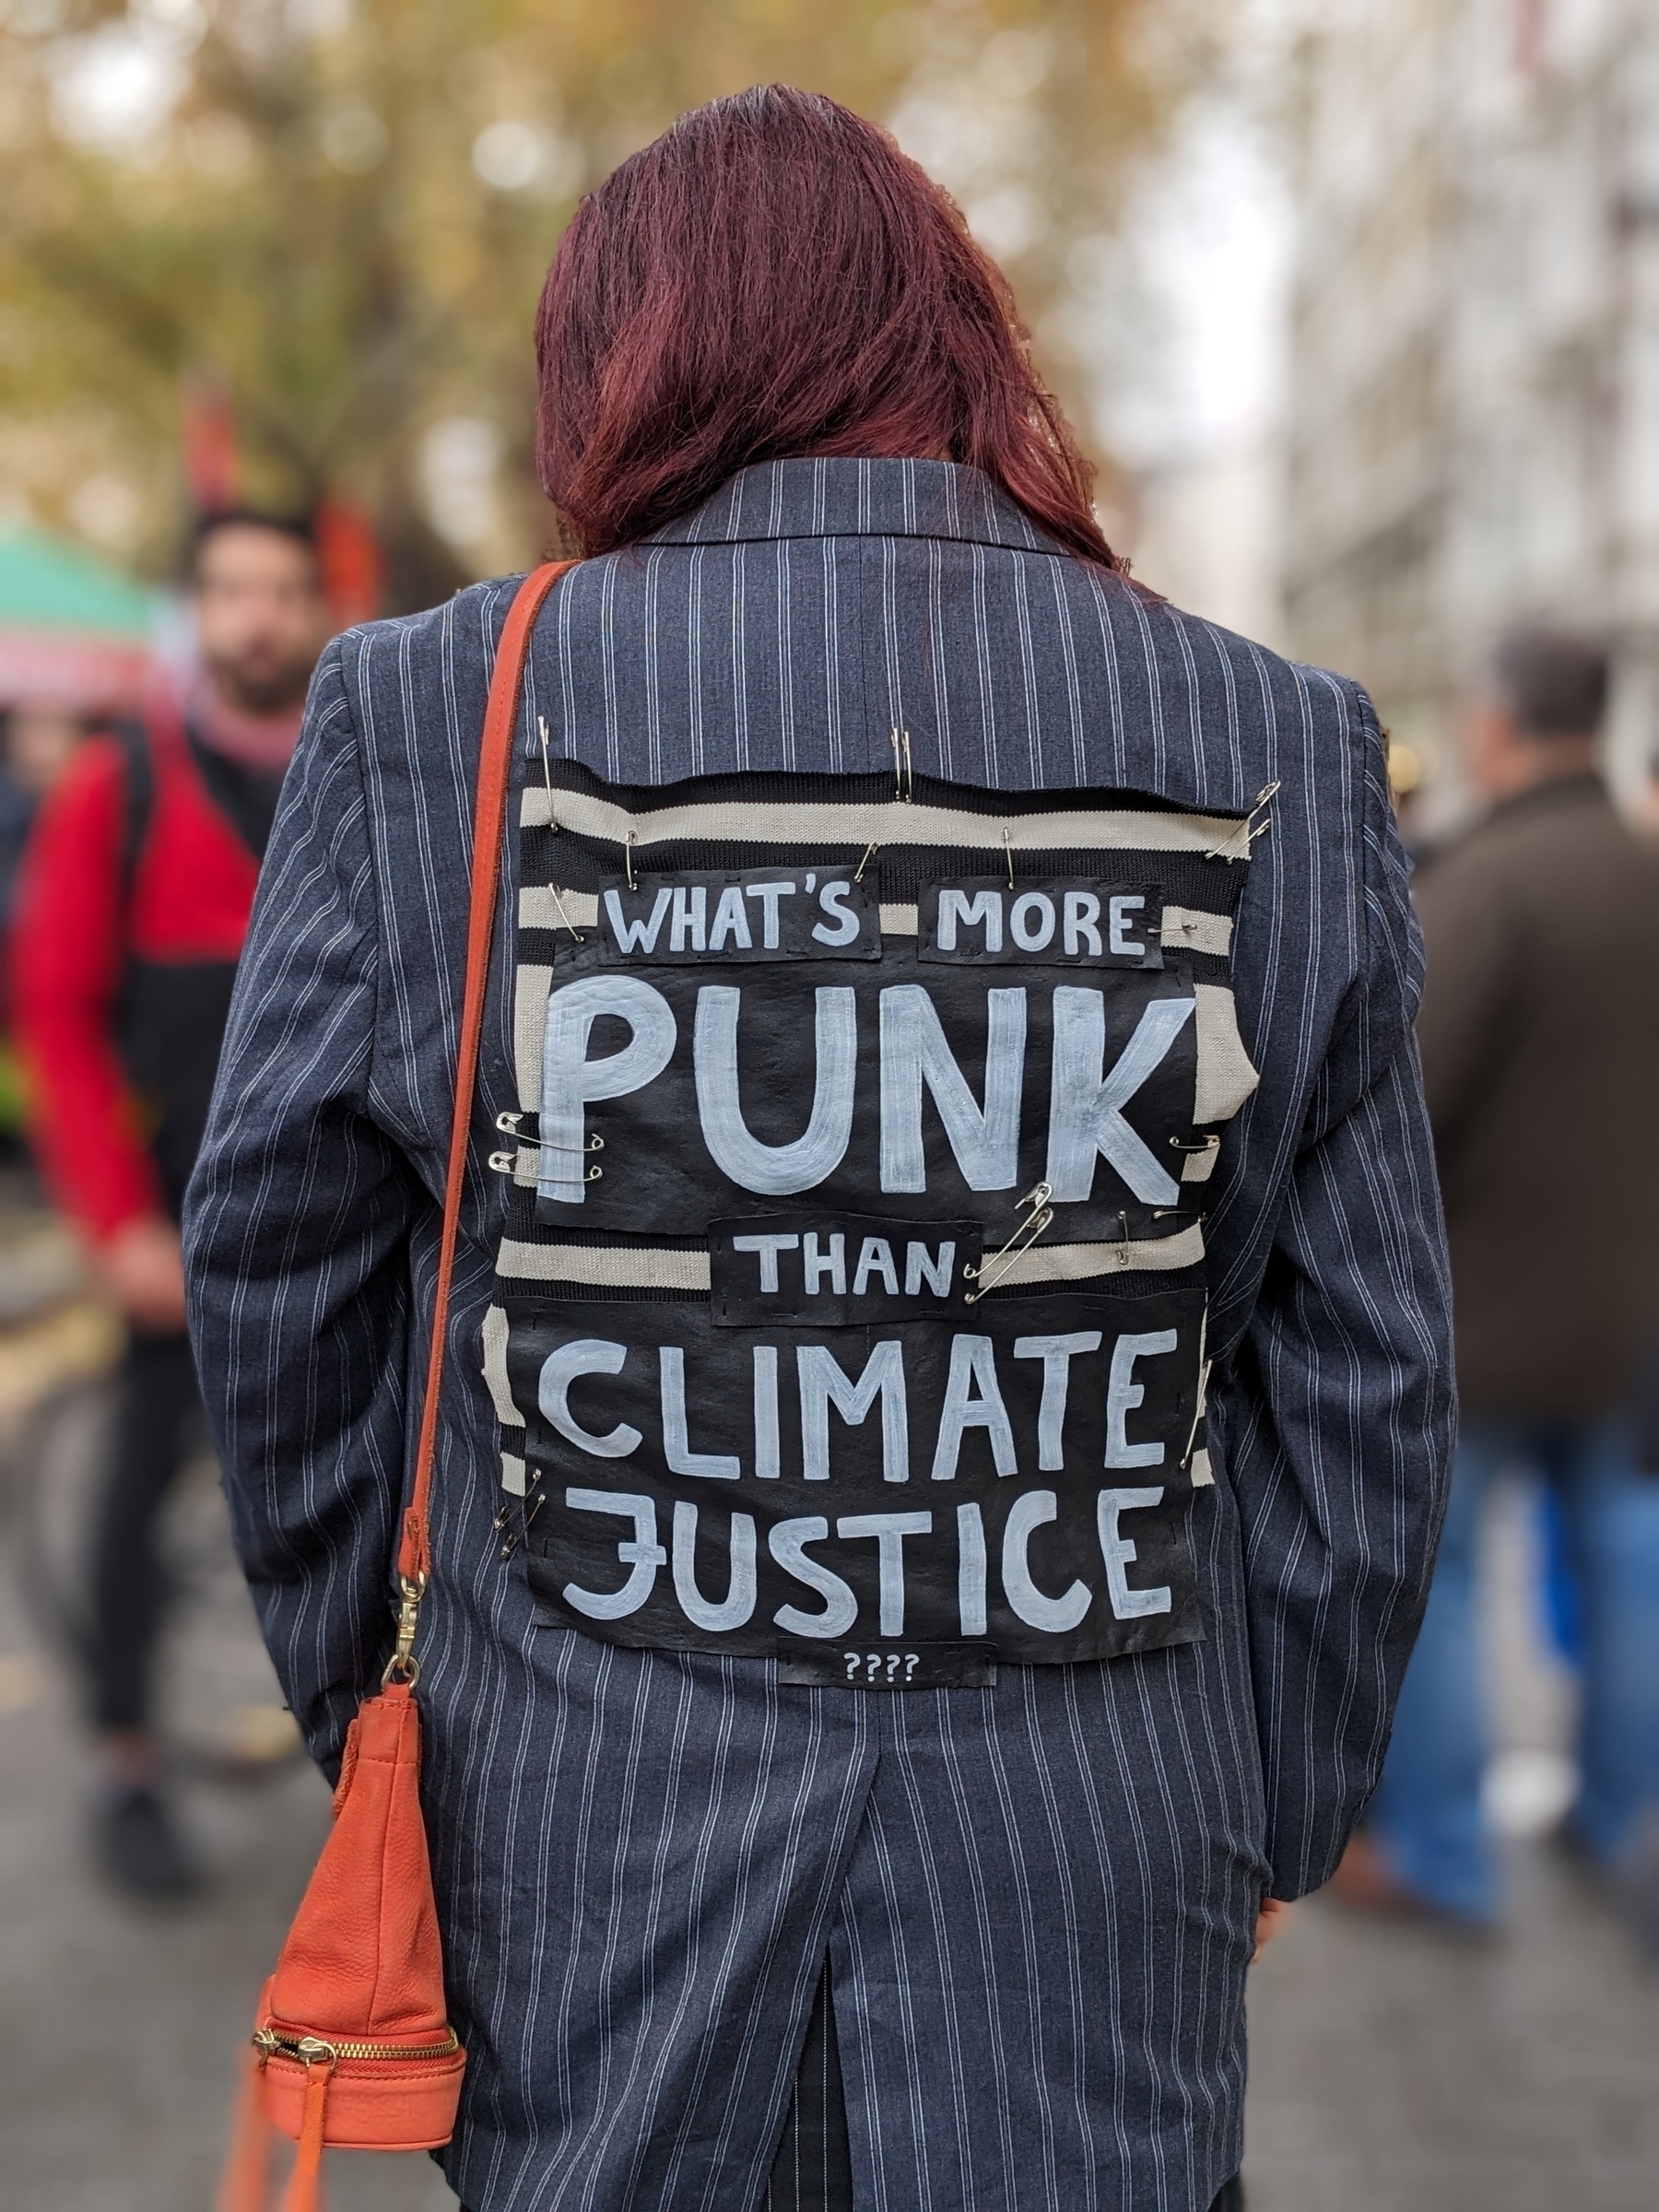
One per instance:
[(1037, 1899)]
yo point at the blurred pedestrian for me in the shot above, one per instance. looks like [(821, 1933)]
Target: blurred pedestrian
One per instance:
[(1540, 1051), (38, 740), (133, 906), (722, 1898)]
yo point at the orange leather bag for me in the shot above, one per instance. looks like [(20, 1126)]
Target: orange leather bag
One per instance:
[(353, 2046)]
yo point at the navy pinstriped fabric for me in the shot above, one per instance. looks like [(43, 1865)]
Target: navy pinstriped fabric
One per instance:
[(1037, 1899)]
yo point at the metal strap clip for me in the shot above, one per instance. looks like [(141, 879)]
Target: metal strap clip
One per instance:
[(402, 1666)]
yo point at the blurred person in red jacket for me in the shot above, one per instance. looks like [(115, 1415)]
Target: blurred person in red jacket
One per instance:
[(133, 906)]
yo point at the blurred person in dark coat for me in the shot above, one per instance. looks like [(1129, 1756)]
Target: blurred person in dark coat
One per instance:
[(1541, 1065), (133, 904)]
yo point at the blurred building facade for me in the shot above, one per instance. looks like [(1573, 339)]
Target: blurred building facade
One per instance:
[(1473, 419)]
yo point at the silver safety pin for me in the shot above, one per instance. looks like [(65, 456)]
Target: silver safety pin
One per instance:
[(869, 854), (1186, 1457), (541, 724), (1008, 855), (1249, 828), (508, 1123), (627, 861), (904, 775), (506, 1163), (1023, 1237), (564, 917)]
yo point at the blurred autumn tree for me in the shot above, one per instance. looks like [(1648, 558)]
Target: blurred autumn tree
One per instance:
[(338, 213)]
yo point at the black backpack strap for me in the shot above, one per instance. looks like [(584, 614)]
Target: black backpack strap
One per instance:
[(140, 785)]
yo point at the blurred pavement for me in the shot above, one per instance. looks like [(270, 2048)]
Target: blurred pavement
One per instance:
[(1393, 2070)]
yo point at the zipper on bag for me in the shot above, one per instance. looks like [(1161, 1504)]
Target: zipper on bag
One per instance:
[(313, 2050)]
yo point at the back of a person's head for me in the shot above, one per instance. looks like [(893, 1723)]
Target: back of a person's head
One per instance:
[(1552, 679), (773, 278)]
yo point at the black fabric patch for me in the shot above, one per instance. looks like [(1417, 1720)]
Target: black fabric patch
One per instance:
[(721, 916), (920, 1666), (840, 1270), (1052, 921), (931, 1089), (1019, 1479)]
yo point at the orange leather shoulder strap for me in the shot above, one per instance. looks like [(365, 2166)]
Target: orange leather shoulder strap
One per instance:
[(495, 768)]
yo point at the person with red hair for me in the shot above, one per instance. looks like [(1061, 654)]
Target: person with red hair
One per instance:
[(923, 1562)]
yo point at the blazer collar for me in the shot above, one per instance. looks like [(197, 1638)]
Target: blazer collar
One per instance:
[(857, 498)]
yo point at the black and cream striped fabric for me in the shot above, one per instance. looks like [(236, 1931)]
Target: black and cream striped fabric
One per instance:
[(1037, 1899)]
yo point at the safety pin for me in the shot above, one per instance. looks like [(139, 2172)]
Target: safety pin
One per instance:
[(1008, 855), (516, 1536), (506, 1163), (627, 861), (1267, 793), (1182, 1143), (1023, 1237), (904, 776), (870, 851), (1204, 1369), (541, 724), (557, 897), (508, 1123)]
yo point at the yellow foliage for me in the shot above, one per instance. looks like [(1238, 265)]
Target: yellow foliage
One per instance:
[(343, 209)]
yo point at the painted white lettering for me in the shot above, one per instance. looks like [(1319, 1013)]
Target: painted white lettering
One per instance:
[(738, 1603), (771, 895), (834, 1263), (642, 1552), (970, 1570), (767, 1456), (586, 1355), (1085, 1110), (1120, 926), (730, 920), (921, 1265), (1056, 1354), (822, 1383), (833, 900), (1118, 1553), (719, 1466), (973, 1363), (769, 1247), (1031, 921), (688, 923), (787, 1541), (889, 1531), (775, 1170), (1082, 912), (1055, 1615), (570, 1081), (1123, 1393), (640, 936), (914, 1053), (984, 910), (876, 1257)]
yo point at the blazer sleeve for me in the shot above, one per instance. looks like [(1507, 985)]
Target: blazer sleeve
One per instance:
[(297, 1226), (1339, 1418)]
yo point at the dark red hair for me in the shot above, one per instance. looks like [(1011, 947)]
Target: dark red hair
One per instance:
[(772, 278)]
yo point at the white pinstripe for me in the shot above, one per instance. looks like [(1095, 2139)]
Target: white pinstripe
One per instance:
[(1039, 1896)]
